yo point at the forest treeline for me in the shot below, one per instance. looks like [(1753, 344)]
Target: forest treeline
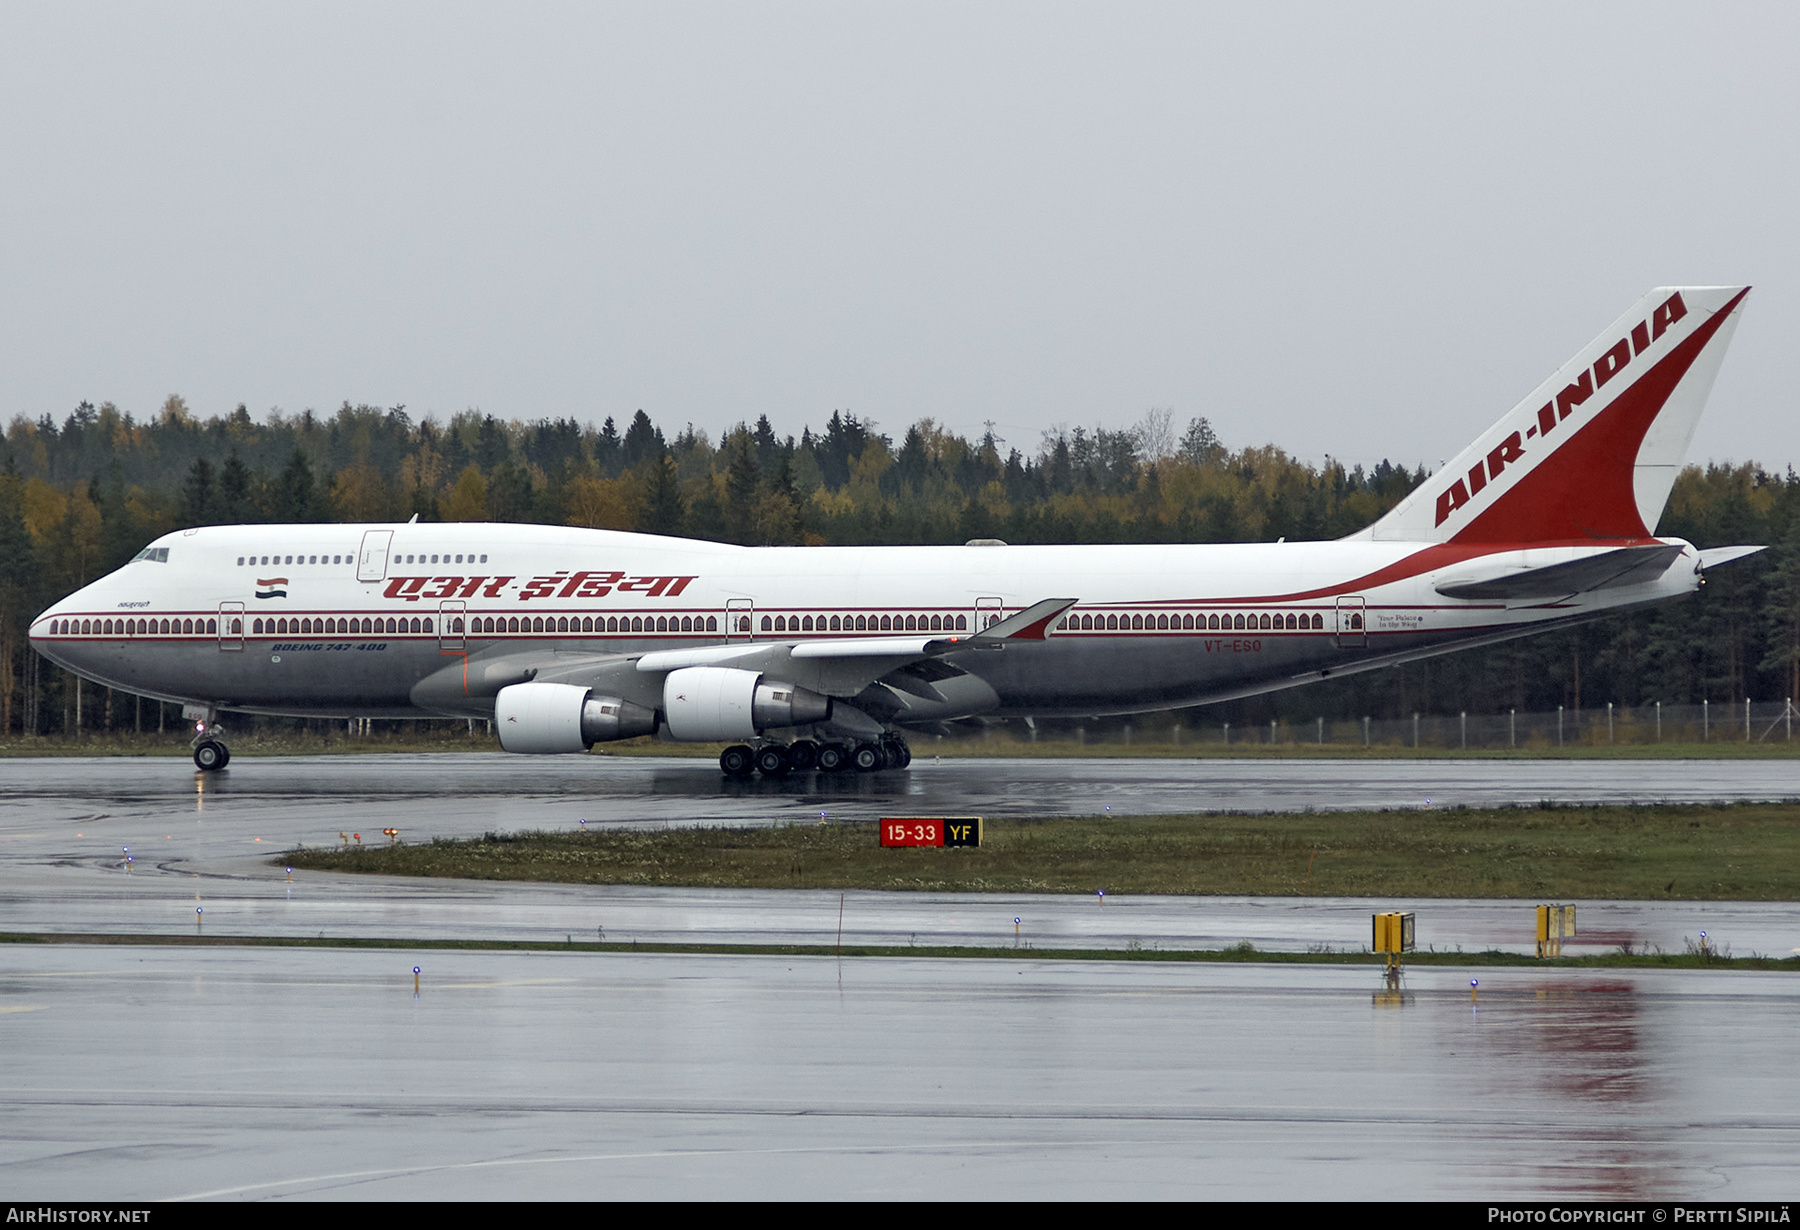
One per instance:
[(79, 497)]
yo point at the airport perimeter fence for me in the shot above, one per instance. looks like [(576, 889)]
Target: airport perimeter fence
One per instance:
[(1742, 722)]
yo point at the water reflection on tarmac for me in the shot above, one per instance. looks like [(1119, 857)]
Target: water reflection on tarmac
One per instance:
[(244, 1073), (149, 1072), (460, 791)]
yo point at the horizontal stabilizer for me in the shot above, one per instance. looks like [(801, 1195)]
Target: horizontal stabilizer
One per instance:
[(1712, 557), (1608, 570)]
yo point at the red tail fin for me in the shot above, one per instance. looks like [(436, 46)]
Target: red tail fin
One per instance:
[(1593, 452)]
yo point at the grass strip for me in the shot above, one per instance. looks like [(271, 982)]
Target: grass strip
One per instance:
[(1237, 954), (1714, 852)]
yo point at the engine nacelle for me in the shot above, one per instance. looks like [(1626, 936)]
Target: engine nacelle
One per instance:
[(539, 718), (704, 704)]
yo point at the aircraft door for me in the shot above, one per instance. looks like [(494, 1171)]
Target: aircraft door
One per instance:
[(1352, 623), (451, 618), (231, 627), (740, 619), (987, 612), (371, 561)]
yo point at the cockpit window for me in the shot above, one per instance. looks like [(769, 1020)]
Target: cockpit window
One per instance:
[(155, 555)]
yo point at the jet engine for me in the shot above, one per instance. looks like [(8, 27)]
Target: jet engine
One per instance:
[(708, 703), (561, 717)]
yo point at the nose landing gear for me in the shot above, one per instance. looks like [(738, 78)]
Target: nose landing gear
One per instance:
[(210, 752)]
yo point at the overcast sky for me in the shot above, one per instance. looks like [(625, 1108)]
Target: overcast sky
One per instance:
[(1362, 230)]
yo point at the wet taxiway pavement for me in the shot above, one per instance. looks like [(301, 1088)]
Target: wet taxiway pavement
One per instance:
[(240, 1073), (230, 1073), (203, 842), (449, 792)]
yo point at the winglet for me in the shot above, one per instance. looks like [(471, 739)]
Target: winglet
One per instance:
[(1031, 624)]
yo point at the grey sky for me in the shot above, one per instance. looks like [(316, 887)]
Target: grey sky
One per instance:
[(1363, 230)]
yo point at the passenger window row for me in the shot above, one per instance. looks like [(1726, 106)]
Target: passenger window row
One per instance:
[(596, 623), (272, 561), (330, 627), (134, 627), (1289, 622), (484, 624), (279, 561), (1278, 622), (860, 623)]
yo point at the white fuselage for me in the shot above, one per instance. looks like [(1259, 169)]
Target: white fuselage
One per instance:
[(431, 619)]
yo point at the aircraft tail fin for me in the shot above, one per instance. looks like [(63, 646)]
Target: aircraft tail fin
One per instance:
[(1593, 452)]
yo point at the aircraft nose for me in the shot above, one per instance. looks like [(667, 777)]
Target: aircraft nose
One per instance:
[(57, 633)]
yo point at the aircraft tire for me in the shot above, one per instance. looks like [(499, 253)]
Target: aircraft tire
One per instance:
[(803, 755), (833, 758), (905, 753), (772, 761), (736, 761), (867, 758), (210, 757)]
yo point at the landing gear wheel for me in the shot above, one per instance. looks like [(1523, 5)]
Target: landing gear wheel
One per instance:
[(905, 754), (803, 755), (834, 758), (772, 761), (735, 761), (867, 758), (210, 756)]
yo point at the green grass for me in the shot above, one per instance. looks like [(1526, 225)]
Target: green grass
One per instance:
[(1237, 954), (1718, 852)]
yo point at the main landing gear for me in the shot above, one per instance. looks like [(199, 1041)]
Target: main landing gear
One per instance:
[(804, 756)]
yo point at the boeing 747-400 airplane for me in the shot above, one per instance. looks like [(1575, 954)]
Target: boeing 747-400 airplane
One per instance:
[(805, 658)]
